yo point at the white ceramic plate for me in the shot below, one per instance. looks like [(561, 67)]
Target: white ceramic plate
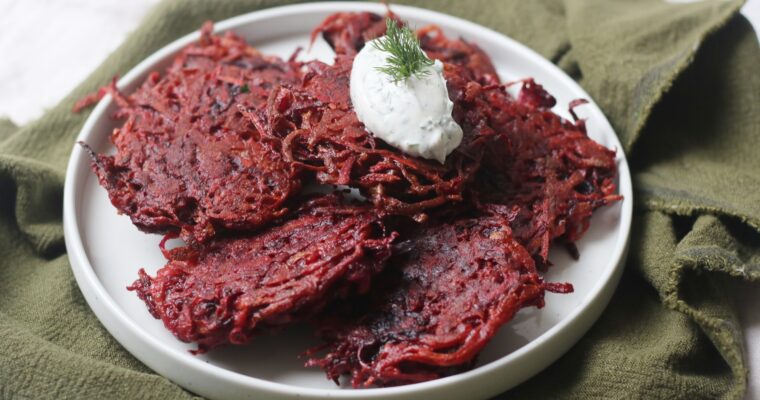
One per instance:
[(106, 250)]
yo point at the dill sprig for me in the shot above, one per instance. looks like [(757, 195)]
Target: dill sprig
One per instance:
[(406, 57)]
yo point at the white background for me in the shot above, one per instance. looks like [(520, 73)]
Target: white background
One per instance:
[(42, 59)]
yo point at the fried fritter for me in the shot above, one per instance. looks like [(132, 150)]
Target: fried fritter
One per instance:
[(544, 174), (435, 307), (186, 159), (228, 290)]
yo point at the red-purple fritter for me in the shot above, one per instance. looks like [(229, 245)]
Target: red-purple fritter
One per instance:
[(346, 32), (186, 159), (544, 174), (227, 290), (435, 307), (322, 134)]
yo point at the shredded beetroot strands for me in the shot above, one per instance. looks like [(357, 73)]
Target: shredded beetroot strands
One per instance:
[(474, 62), (347, 32), (228, 290), (321, 133), (187, 160), (93, 98), (544, 174), (439, 303), (216, 149)]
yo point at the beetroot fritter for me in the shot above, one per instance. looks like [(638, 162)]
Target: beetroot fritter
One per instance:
[(187, 160), (346, 32), (322, 133), (327, 138), (228, 290), (544, 174), (474, 62), (541, 172), (437, 305)]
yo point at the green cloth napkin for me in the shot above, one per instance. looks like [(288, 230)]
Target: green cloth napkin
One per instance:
[(679, 82)]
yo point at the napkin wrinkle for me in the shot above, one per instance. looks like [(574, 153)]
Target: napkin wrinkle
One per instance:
[(569, 65), (7, 127), (699, 152), (655, 42), (35, 191)]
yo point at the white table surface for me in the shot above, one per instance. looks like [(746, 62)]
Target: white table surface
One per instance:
[(42, 37)]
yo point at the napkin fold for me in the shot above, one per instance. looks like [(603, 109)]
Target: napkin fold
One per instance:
[(681, 85)]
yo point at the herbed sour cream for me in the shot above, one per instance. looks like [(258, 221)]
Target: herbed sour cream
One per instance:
[(413, 115)]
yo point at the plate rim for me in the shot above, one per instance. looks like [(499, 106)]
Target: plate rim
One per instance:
[(126, 330)]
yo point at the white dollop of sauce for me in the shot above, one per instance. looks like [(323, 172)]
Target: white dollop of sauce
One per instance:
[(413, 115)]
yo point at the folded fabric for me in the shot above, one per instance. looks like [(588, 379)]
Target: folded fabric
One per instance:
[(680, 84)]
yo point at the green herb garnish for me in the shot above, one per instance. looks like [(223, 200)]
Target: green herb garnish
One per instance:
[(406, 57), (245, 89)]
